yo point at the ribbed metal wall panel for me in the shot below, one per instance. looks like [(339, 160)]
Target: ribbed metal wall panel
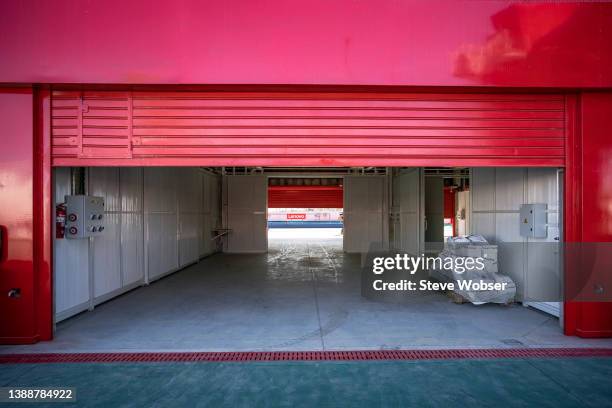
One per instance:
[(332, 129), (91, 124), (305, 197)]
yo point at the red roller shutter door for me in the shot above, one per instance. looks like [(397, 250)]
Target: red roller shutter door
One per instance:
[(305, 197), (307, 129)]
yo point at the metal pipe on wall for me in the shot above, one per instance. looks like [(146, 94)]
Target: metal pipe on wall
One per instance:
[(77, 180)]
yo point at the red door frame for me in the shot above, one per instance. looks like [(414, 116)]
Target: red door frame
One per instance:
[(43, 193), (572, 210), (449, 207), (574, 313)]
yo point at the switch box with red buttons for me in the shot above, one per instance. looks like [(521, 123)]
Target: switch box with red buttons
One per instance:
[(84, 216)]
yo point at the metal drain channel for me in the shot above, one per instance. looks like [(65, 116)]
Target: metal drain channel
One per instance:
[(363, 355)]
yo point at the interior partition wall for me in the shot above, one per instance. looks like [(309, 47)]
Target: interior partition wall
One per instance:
[(157, 221)]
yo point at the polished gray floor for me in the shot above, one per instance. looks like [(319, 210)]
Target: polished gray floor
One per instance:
[(303, 295)]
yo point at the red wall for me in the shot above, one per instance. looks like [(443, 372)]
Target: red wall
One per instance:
[(348, 42), (17, 268), (595, 206)]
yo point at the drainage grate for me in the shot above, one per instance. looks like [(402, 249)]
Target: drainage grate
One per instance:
[(363, 355)]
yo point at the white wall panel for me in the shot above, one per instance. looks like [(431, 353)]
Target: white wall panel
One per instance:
[(160, 189), (543, 260), (104, 182), (106, 256), (407, 197), (395, 226), (542, 187), (153, 241), (189, 195), (247, 213), (497, 195), (169, 248), (162, 244), (483, 189), (204, 237), (106, 249), (509, 188), (189, 233), (205, 244), (210, 212), (132, 225), (507, 228), (410, 227), (131, 189), (511, 250), (363, 213), (154, 218), (70, 274), (70, 259), (132, 248)]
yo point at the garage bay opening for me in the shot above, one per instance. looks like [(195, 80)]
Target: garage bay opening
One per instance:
[(305, 221), (273, 258)]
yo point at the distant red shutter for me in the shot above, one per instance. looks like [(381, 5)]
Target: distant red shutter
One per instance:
[(305, 197), (307, 129)]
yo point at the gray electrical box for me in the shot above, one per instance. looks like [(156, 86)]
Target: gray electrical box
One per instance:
[(533, 220), (84, 216)]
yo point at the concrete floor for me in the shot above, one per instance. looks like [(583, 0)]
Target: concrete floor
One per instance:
[(303, 295)]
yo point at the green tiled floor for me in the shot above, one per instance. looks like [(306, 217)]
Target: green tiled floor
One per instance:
[(448, 383)]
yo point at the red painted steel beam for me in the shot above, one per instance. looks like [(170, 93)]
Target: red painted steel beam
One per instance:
[(318, 161), (305, 188)]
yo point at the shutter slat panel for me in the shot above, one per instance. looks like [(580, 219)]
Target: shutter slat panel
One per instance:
[(251, 128), (311, 113), (352, 132), (99, 121), (354, 141)]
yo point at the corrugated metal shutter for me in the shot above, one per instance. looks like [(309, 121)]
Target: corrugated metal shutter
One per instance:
[(304, 129), (91, 125), (305, 197)]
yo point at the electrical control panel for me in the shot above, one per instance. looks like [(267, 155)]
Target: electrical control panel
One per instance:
[(533, 220), (84, 216)]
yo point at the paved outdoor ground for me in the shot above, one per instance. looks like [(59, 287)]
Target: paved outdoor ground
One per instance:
[(571, 382)]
